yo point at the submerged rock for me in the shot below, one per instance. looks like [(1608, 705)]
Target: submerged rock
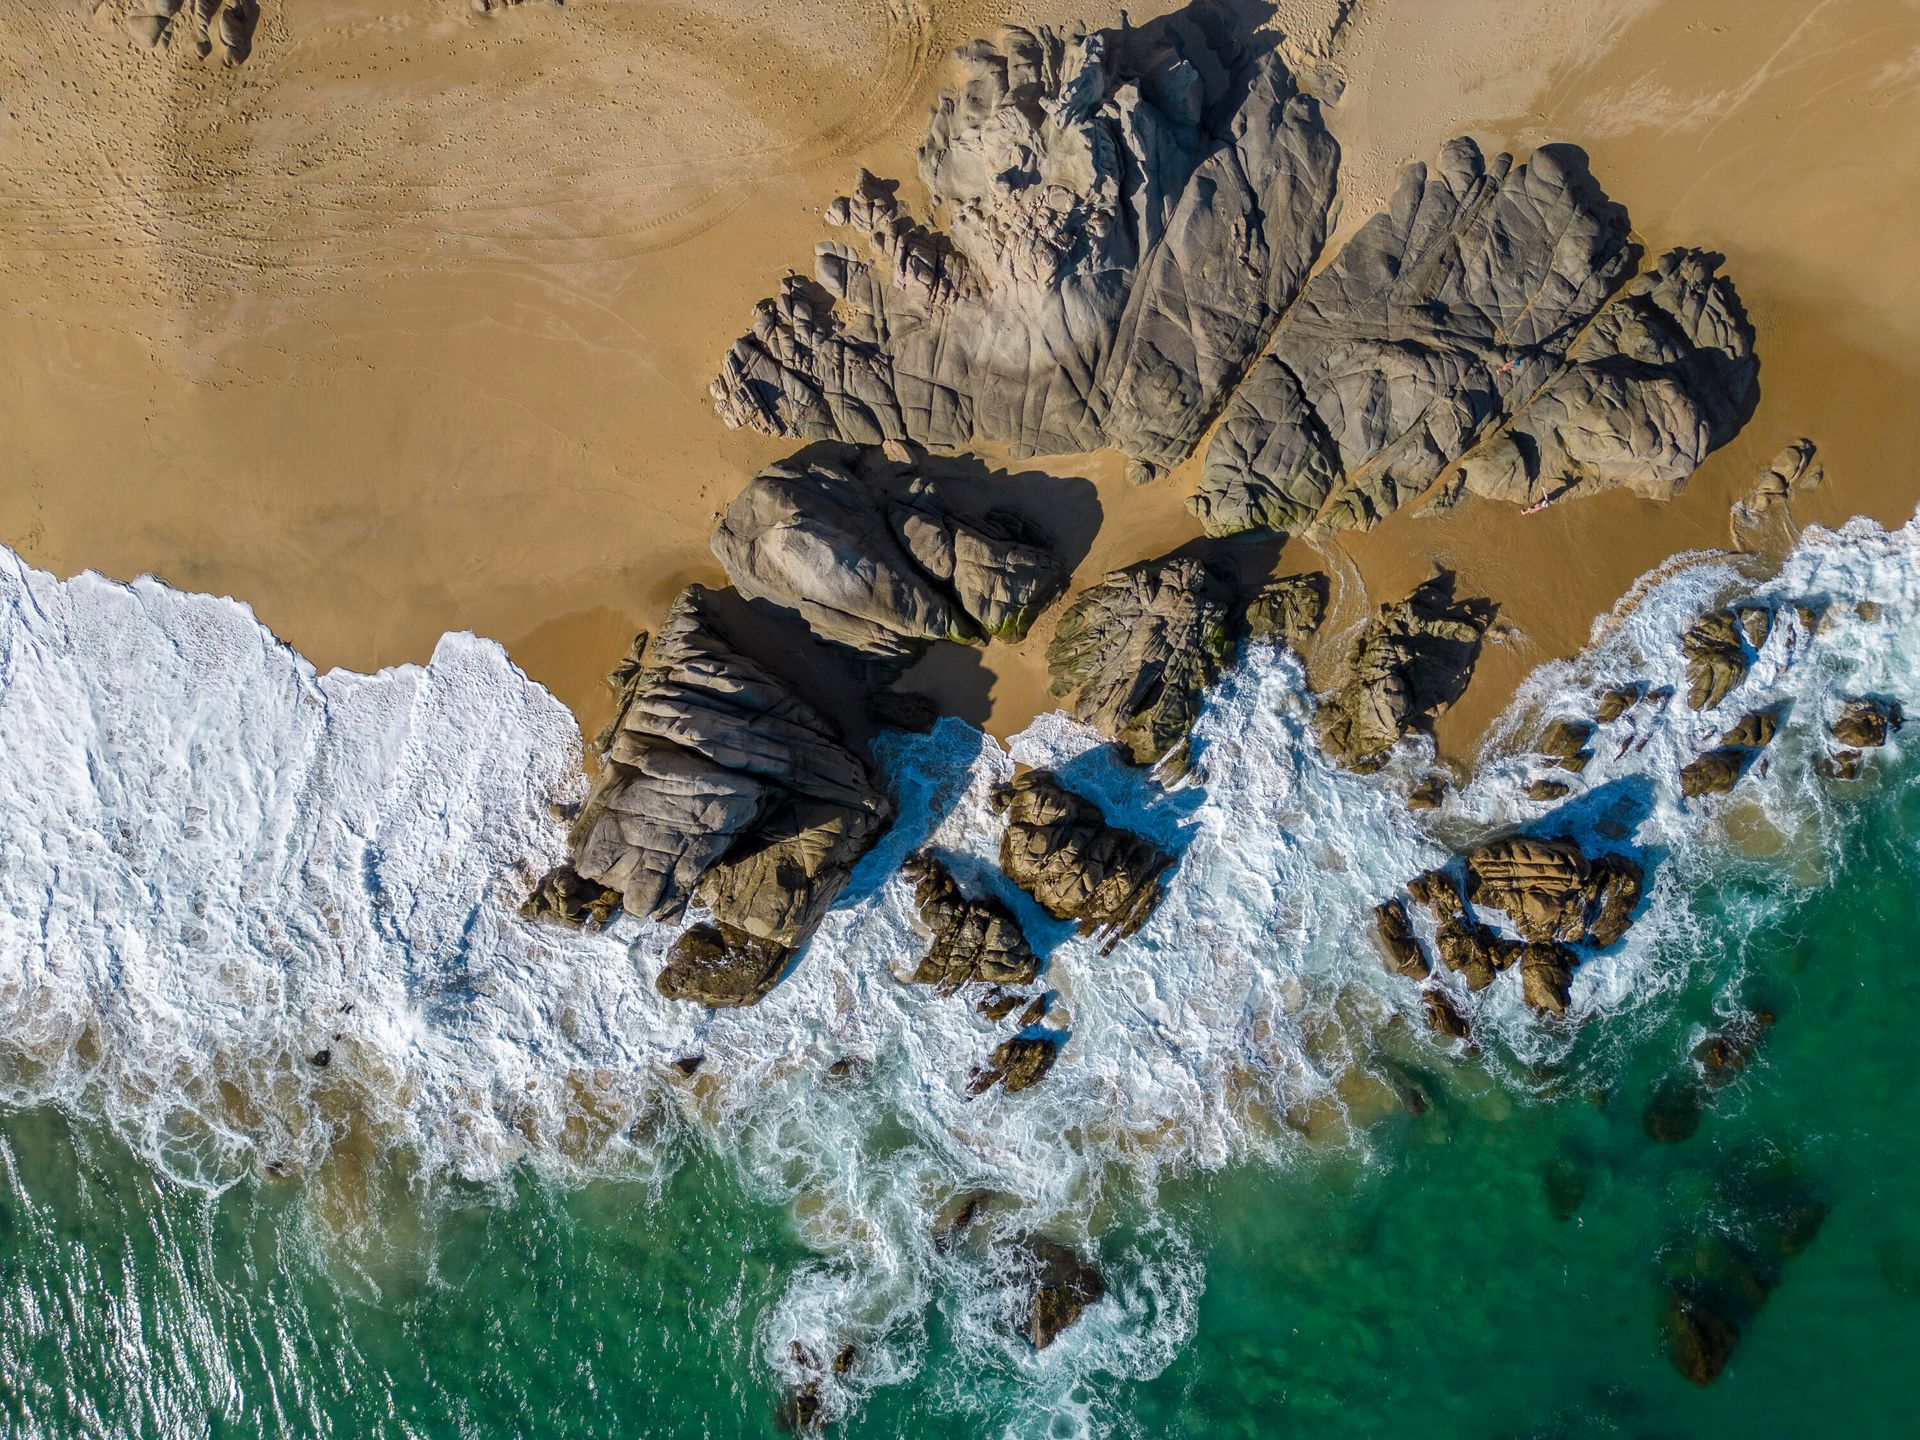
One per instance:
[(973, 939), (1661, 378), (1059, 848), (881, 567), (1015, 1064), (1699, 1340), (719, 782), (1059, 1286), (1139, 650), (1127, 214), (1673, 1111), (1413, 659), (1288, 611), (722, 967), (1456, 301), (1716, 658), (565, 897), (1725, 1053), (1403, 953)]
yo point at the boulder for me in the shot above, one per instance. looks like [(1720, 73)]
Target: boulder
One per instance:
[(1412, 659), (1616, 702), (1546, 977), (1699, 1339), (1662, 377), (1403, 953), (721, 967), (1796, 467), (1455, 303), (1443, 1016), (1429, 794), (1059, 1286), (1474, 951), (881, 567), (565, 897), (1754, 730), (1138, 651), (1436, 890), (719, 782), (1716, 658), (1549, 790), (1059, 848), (973, 939), (1288, 611), (1015, 1064), (1126, 212), (1866, 723), (1756, 624), (1544, 886), (1614, 884), (1716, 772), (1565, 741)]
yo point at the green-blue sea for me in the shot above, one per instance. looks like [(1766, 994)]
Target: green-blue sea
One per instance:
[(1495, 1265)]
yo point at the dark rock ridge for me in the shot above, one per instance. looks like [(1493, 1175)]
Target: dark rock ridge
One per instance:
[(1403, 953), (973, 939), (722, 966), (1138, 650), (1435, 320), (880, 564), (720, 783), (1126, 214), (1015, 1064), (1059, 848), (1414, 658)]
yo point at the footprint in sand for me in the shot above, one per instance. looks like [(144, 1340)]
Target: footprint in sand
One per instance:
[(157, 24)]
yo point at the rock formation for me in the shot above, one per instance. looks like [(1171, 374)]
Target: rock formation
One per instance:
[(1126, 214), (564, 897), (1552, 892), (882, 566), (1288, 611), (1412, 659), (1059, 1286), (1442, 312), (973, 939), (720, 783), (1659, 380), (1403, 953), (1866, 724), (1716, 657), (1719, 769), (1565, 742), (1015, 1064), (722, 966), (1138, 650), (1059, 848)]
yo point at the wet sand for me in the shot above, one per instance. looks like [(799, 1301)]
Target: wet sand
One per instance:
[(406, 325)]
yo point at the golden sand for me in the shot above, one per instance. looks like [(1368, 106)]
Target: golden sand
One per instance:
[(405, 326)]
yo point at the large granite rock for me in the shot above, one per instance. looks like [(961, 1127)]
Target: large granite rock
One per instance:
[(1867, 723), (1661, 378), (720, 783), (1059, 848), (721, 966), (1552, 892), (1126, 214), (1414, 658), (1139, 650), (973, 939), (1059, 1285), (881, 565), (1015, 1064), (1443, 312), (1716, 655)]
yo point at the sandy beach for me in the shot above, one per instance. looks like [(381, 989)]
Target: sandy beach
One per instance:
[(405, 325)]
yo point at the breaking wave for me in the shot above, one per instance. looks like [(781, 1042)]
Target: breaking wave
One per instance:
[(262, 920)]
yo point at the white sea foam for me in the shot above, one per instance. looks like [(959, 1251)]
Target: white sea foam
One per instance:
[(219, 864)]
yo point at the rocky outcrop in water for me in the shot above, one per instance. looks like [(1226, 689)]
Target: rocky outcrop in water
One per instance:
[(1442, 312), (1716, 656), (1552, 892), (1659, 380), (881, 564), (566, 898), (1138, 650), (973, 939), (1059, 848), (720, 783), (1015, 1064), (1866, 724), (1414, 658), (1718, 770), (1126, 213), (1058, 1285), (1397, 940), (722, 966)]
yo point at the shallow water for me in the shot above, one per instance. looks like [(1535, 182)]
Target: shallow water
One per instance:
[(497, 1211)]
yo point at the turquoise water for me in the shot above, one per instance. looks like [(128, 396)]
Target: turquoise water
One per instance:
[(1426, 1280)]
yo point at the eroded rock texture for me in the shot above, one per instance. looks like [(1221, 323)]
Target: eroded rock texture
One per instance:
[(720, 783), (1059, 848), (1443, 311), (1288, 611), (880, 564), (1414, 658), (973, 939), (1659, 380), (1126, 213), (1139, 650)]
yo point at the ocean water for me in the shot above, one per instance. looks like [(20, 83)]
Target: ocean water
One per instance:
[(498, 1209)]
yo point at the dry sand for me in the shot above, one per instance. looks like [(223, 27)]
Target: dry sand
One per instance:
[(405, 325)]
